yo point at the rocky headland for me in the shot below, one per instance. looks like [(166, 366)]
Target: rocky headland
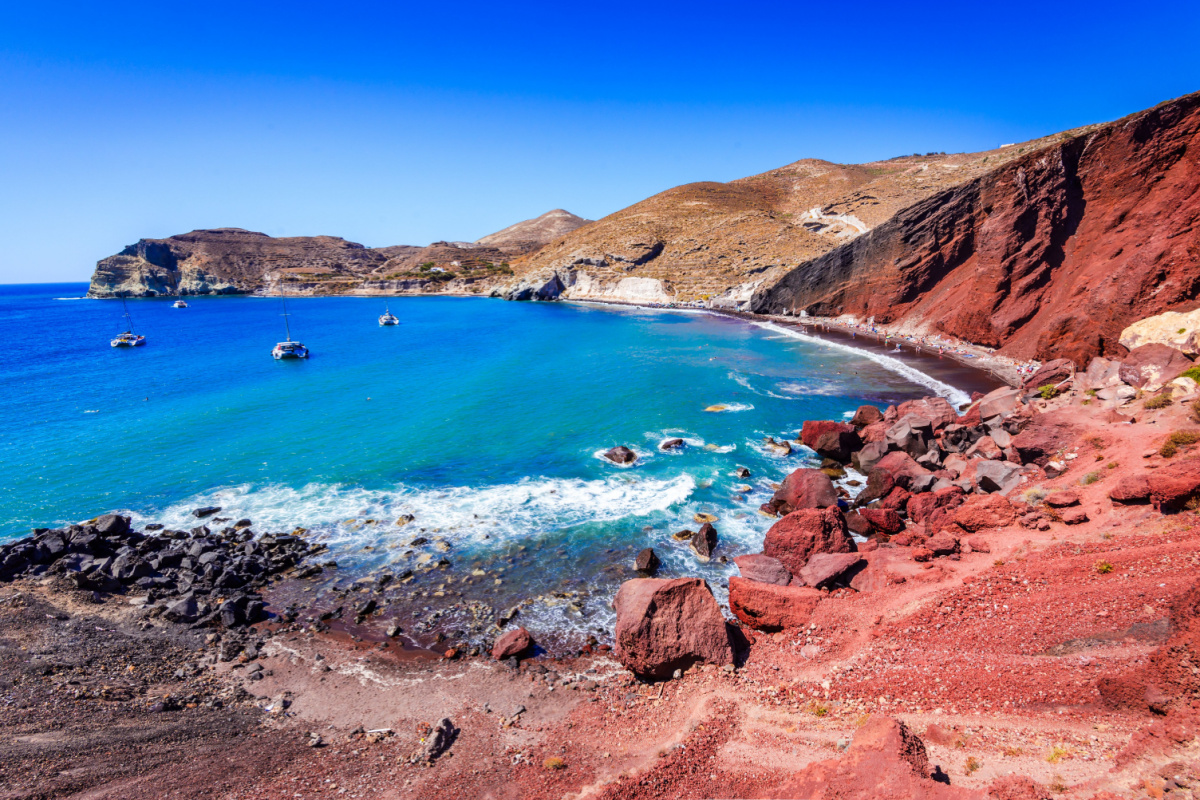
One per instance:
[(236, 261)]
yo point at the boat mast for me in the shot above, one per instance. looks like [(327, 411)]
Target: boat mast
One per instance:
[(283, 299), (128, 319)]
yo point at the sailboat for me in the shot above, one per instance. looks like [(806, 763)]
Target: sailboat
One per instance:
[(388, 317), (288, 348), (128, 338), (179, 301)]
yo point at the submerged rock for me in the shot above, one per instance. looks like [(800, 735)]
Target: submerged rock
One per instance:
[(704, 542), (647, 561), (621, 455)]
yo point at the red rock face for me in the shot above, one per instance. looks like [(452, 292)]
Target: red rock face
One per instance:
[(1050, 256), (802, 533), (771, 607), (665, 625)]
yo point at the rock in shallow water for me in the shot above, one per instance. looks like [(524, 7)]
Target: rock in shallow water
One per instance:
[(621, 455)]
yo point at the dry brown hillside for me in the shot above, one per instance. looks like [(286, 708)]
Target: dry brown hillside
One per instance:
[(702, 239)]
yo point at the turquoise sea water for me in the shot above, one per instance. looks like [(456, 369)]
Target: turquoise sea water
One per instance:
[(481, 418)]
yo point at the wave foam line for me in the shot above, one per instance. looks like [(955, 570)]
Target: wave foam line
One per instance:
[(956, 396), (497, 513)]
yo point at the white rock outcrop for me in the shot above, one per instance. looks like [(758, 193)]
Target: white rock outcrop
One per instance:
[(1180, 330)]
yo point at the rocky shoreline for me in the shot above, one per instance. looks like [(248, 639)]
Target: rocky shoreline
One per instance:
[(1011, 593)]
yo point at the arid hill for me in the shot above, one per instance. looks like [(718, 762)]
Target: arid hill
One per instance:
[(703, 240), (235, 261), (536, 232)]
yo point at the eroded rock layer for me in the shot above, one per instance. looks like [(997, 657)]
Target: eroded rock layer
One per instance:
[(1052, 255)]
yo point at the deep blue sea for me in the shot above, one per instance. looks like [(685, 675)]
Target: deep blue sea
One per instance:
[(481, 418)]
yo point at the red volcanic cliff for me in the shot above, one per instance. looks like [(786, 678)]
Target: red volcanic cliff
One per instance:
[(1051, 255)]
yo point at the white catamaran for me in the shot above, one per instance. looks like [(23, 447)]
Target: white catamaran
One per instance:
[(128, 338), (288, 348), (388, 317)]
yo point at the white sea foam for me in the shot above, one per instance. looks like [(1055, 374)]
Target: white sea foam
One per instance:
[(956, 396), (531, 506)]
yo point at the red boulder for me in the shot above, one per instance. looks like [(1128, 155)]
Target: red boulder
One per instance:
[(1172, 487), (665, 625), (770, 607), (813, 429), (1131, 489), (901, 467), (807, 488), (883, 520), (1153, 365), (866, 415), (885, 760), (805, 532), (514, 643), (1044, 436), (763, 568), (985, 511), (826, 569), (935, 409)]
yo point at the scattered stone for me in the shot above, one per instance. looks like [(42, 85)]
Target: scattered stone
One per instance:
[(205, 511), (1131, 489)]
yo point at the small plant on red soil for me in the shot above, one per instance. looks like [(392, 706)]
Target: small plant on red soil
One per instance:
[(1057, 754), (1112, 465), (818, 709), (999, 562), (1048, 392), (1168, 449), (1034, 497), (1058, 785), (1090, 478), (1103, 567), (972, 765), (1184, 437), (1157, 401), (1196, 411), (554, 763), (1013, 752), (1095, 441)]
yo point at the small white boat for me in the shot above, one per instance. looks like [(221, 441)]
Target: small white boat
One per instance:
[(128, 338), (289, 349), (388, 318), (180, 303)]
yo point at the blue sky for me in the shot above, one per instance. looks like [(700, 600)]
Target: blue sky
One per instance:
[(406, 123)]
